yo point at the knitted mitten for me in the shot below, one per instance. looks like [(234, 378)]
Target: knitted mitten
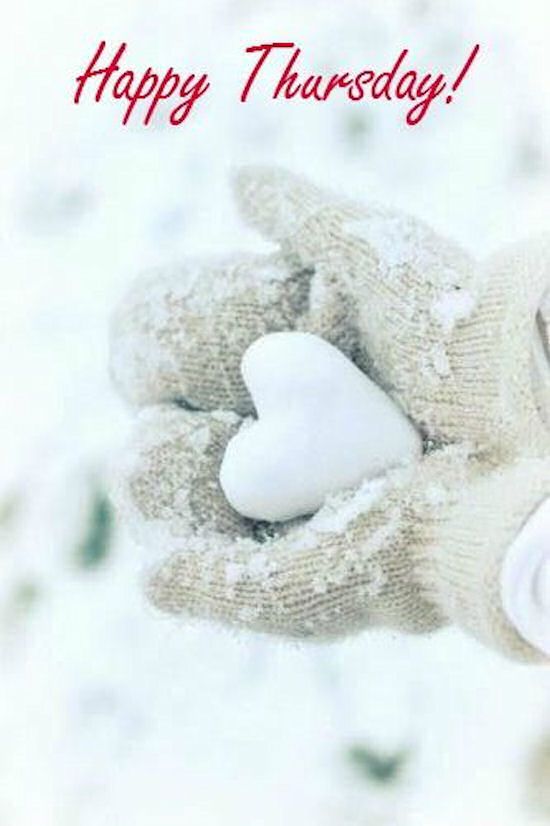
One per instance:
[(452, 340), (460, 346)]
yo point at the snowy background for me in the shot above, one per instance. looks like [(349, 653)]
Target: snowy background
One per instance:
[(110, 714)]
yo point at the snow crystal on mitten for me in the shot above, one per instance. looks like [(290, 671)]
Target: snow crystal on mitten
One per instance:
[(461, 345), (179, 334), (166, 481)]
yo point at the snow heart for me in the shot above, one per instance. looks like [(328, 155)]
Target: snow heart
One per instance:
[(322, 426)]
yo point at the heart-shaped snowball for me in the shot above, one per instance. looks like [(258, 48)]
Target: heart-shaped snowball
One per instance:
[(322, 426)]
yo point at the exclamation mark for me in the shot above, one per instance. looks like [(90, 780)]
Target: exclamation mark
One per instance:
[(464, 72)]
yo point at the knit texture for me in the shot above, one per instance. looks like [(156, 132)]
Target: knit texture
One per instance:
[(179, 335), (460, 346)]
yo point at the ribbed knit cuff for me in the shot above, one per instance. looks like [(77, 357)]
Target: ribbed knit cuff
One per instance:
[(461, 570)]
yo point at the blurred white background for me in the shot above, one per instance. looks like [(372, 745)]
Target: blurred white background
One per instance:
[(108, 713)]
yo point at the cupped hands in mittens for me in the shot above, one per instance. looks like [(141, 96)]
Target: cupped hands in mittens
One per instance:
[(459, 346)]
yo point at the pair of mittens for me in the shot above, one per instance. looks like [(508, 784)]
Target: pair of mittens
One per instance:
[(460, 345)]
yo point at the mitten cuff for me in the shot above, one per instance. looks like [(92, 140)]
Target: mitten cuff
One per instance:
[(499, 357), (461, 571)]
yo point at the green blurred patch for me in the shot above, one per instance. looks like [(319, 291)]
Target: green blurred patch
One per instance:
[(25, 594), (9, 507), (530, 158), (96, 542), (20, 601), (538, 778), (358, 127), (382, 769)]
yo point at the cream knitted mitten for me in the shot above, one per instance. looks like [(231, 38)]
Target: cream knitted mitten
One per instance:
[(462, 347)]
